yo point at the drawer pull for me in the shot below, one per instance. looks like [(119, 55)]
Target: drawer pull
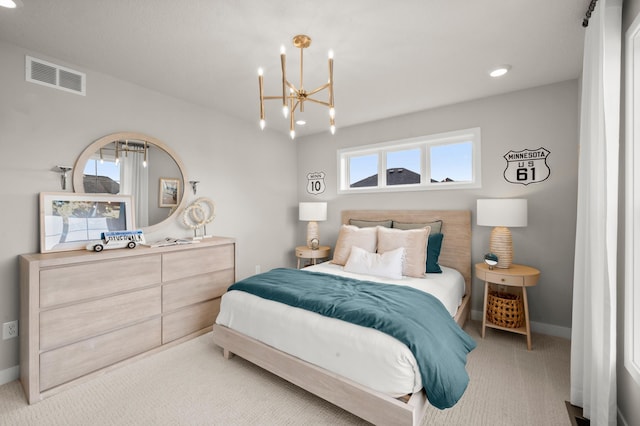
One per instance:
[(502, 279)]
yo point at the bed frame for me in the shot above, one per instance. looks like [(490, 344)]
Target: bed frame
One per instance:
[(375, 407)]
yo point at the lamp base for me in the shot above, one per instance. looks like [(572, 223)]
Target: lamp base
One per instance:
[(312, 233), (501, 244)]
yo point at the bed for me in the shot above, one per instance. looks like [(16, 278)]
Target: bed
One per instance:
[(393, 395)]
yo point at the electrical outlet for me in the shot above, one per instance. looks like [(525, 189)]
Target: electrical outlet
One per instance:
[(9, 330)]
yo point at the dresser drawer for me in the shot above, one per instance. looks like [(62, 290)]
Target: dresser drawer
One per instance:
[(82, 320), (88, 280), (69, 362), (189, 320), (196, 289), (188, 263), (504, 279)]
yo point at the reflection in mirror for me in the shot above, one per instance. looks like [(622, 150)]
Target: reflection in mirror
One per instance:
[(131, 164)]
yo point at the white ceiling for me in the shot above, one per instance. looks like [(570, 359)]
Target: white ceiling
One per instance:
[(391, 57)]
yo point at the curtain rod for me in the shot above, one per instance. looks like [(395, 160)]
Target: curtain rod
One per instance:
[(592, 6)]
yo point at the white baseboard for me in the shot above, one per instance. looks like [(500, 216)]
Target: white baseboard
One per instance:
[(9, 375), (537, 327)]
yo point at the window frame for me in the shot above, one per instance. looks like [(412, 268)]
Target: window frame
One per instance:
[(472, 135), (632, 198)]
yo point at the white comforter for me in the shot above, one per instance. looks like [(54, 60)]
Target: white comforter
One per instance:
[(364, 355)]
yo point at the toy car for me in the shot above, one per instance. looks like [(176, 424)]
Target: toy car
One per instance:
[(117, 239)]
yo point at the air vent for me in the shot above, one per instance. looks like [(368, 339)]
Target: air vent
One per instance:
[(56, 76)]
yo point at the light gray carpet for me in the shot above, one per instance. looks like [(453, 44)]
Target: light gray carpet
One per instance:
[(192, 384)]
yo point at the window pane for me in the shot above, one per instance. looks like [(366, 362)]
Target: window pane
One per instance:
[(363, 171), (102, 176), (452, 162), (403, 167)]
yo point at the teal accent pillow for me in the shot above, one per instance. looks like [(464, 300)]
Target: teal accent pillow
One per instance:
[(433, 252)]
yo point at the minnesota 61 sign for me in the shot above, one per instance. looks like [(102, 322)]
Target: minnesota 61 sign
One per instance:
[(527, 166)]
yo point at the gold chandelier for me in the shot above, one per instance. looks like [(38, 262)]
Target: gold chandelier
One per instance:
[(293, 98)]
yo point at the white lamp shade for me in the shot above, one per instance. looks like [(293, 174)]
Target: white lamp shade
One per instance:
[(313, 211), (507, 212)]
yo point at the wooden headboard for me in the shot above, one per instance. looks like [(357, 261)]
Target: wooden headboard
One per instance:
[(456, 227)]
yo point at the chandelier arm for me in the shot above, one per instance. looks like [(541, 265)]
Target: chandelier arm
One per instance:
[(318, 102), (291, 86), (301, 68), (260, 83), (318, 89), (294, 106), (292, 120), (283, 64), (330, 83), (272, 97)]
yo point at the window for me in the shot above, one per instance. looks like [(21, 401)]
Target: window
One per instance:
[(102, 175), (443, 161), (632, 208)]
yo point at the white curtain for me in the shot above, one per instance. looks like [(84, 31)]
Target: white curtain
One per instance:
[(593, 333), (134, 180)]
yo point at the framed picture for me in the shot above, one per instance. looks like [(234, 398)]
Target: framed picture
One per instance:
[(169, 192), (68, 221)]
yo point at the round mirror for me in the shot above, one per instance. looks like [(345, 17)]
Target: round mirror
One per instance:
[(134, 164)]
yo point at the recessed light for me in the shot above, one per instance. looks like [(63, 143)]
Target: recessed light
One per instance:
[(500, 71), (301, 122)]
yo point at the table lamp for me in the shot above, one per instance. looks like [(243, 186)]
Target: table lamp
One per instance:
[(502, 214), (313, 212)]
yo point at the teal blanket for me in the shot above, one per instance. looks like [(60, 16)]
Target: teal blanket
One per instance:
[(415, 318)]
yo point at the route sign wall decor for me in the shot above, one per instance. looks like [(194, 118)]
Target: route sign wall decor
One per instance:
[(527, 166)]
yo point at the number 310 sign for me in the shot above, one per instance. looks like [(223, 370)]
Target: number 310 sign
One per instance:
[(527, 166)]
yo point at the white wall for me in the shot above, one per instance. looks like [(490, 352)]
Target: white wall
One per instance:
[(540, 117), (42, 127)]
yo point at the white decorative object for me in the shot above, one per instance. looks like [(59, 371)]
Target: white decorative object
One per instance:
[(197, 215)]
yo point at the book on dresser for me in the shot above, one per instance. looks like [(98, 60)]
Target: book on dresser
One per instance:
[(84, 313), (169, 241)]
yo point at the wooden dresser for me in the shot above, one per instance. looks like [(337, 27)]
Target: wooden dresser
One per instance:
[(84, 313)]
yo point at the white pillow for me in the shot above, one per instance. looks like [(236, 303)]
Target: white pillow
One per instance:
[(415, 243), (388, 265), (349, 236)]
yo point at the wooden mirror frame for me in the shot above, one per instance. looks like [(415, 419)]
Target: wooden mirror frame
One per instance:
[(78, 168)]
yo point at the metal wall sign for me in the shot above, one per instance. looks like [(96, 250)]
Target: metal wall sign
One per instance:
[(315, 184), (527, 166)]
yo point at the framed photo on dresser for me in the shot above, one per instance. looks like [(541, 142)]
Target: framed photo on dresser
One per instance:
[(68, 221)]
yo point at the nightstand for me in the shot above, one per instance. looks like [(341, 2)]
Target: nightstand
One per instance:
[(513, 278), (304, 252)]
